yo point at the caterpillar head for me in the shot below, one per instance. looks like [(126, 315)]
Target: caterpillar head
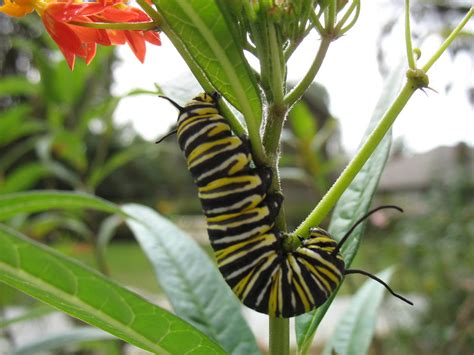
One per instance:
[(204, 97), (322, 242)]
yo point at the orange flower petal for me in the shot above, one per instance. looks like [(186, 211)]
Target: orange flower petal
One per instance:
[(81, 41), (140, 16), (152, 37), (63, 35), (116, 36), (92, 8), (90, 35), (63, 12), (90, 49), (112, 14), (136, 42), (70, 58)]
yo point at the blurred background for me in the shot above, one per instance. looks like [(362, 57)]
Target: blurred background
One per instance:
[(93, 130)]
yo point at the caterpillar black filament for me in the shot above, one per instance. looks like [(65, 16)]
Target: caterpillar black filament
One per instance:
[(240, 216)]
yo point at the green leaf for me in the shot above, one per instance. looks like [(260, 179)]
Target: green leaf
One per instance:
[(302, 121), (17, 151), (353, 334), (115, 162), (106, 232), (23, 178), (37, 201), (85, 294), (202, 32), (232, 12), (14, 124), (41, 225), (191, 281), (43, 149), (59, 341), (71, 148), (17, 85), (63, 173), (354, 203)]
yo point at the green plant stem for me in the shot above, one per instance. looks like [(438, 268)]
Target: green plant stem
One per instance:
[(277, 110), (299, 32), (279, 336), (356, 164), (342, 30), (234, 122), (131, 26), (355, 5), (295, 43), (277, 68), (279, 327), (271, 140), (269, 63), (409, 46), (273, 72), (330, 16), (294, 95), (449, 40), (315, 21)]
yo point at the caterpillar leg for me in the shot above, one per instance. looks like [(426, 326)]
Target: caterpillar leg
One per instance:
[(266, 174), (281, 283), (274, 202)]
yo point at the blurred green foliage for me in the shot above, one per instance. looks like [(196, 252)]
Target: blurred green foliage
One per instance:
[(441, 254), (434, 251), (57, 132)]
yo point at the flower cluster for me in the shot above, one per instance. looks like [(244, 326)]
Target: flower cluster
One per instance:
[(79, 26)]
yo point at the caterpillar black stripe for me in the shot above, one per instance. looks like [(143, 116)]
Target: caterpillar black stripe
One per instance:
[(240, 216)]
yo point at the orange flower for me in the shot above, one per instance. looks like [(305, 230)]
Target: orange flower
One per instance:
[(67, 23), (118, 12)]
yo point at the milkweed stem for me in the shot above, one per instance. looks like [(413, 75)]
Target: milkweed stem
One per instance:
[(449, 40), (408, 44), (279, 336), (356, 164)]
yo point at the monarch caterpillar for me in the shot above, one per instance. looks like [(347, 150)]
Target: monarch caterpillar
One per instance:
[(241, 214)]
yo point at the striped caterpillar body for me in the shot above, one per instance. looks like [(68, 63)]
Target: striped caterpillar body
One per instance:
[(240, 218), (240, 215)]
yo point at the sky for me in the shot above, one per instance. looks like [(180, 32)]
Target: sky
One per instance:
[(349, 73)]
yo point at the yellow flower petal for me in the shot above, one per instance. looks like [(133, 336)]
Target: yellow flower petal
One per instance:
[(14, 9)]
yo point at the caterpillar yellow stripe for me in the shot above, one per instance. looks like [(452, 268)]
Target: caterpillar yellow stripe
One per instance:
[(240, 215)]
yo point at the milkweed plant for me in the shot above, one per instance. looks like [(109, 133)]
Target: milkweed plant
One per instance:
[(215, 39)]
